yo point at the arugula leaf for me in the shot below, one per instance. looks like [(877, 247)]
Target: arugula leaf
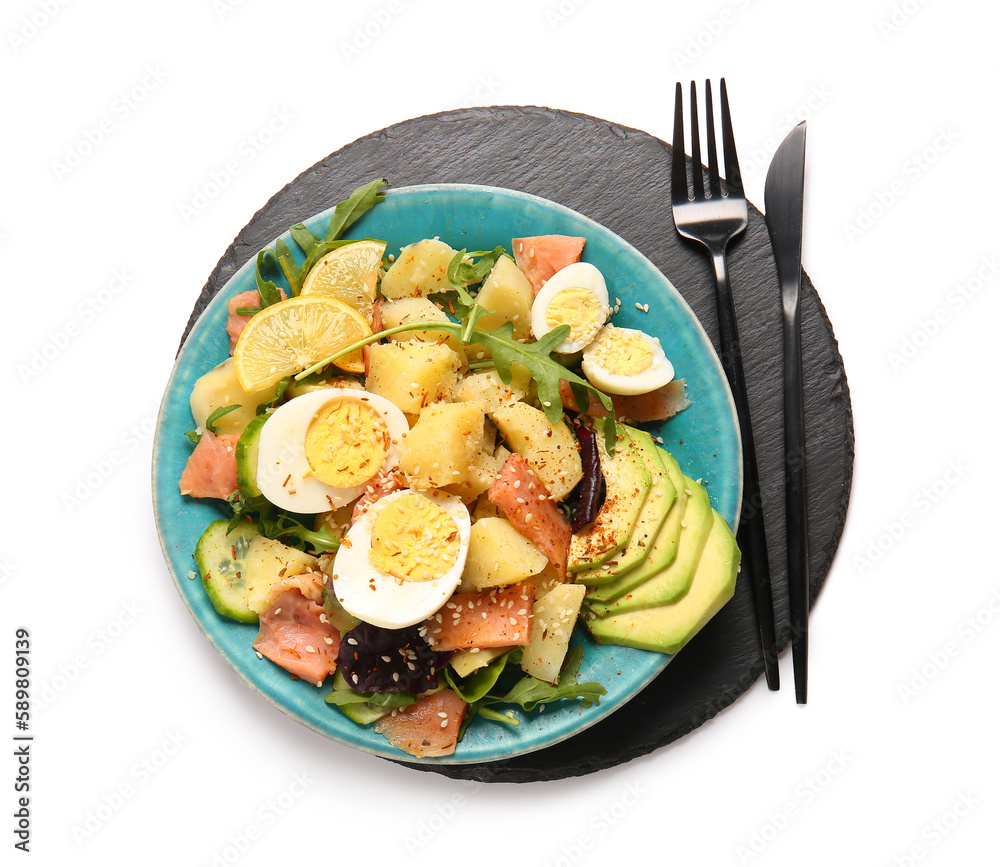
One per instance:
[(211, 421), (193, 435), (529, 692), (267, 289), (279, 525), (289, 267), (462, 273), (302, 236), (354, 207)]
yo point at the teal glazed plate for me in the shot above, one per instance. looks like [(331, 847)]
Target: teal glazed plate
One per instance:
[(704, 438)]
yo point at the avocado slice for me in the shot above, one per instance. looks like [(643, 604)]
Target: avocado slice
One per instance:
[(667, 628), (659, 503), (627, 482), (663, 550), (670, 584)]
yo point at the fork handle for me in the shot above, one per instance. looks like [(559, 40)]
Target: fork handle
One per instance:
[(752, 514)]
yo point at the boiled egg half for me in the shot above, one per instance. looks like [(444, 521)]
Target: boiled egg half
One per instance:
[(403, 558), (626, 361), (577, 296), (320, 450)]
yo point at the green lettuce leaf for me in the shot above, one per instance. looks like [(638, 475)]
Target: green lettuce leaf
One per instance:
[(528, 692)]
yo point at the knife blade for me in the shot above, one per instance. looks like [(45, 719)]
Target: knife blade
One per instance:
[(783, 195)]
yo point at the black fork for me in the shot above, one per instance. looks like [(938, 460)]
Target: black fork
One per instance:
[(713, 218)]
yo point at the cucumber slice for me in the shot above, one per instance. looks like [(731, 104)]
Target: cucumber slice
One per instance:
[(246, 457), (221, 559)]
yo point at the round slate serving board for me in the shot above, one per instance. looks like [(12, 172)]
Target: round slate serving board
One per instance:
[(620, 177)]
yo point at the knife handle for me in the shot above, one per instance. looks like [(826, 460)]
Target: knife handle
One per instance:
[(796, 523), (752, 531)]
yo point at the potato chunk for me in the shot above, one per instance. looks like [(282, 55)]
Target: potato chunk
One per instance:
[(419, 270), (220, 388), (552, 621), (508, 295), (500, 555), (413, 375), (551, 451), (482, 473), (442, 446), (405, 311), (271, 568), (487, 386)]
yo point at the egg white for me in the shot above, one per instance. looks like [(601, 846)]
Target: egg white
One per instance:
[(578, 275), (283, 472), (612, 381), (394, 604)]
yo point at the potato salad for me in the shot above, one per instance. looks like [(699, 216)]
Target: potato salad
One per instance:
[(432, 466)]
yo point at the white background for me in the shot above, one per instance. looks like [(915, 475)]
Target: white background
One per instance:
[(149, 749)]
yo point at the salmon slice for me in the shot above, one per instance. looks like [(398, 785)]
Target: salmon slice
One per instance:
[(236, 323), (295, 634), (500, 618), (658, 405), (524, 499), (211, 468), (541, 256), (428, 727)]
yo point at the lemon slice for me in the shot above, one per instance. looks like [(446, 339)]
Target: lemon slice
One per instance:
[(287, 337), (349, 273)]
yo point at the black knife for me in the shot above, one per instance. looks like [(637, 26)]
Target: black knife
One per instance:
[(783, 192)]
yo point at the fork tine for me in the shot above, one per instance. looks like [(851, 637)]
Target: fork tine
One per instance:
[(678, 171), (698, 182), (734, 180), (714, 186)]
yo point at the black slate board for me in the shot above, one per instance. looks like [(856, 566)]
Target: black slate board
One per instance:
[(620, 177)]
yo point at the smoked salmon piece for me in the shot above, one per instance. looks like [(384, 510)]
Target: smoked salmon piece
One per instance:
[(428, 727), (499, 618), (658, 405), (541, 256), (211, 469), (525, 500), (294, 635)]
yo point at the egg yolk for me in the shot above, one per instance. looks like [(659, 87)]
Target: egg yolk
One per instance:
[(347, 442), (623, 352), (580, 309), (414, 539)]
